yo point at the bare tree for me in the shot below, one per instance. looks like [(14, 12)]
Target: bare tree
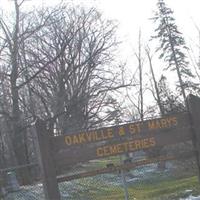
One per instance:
[(136, 94), (13, 36), (140, 66), (157, 93), (56, 64), (74, 90)]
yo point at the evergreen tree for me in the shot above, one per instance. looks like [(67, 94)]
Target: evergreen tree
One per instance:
[(170, 102), (172, 45)]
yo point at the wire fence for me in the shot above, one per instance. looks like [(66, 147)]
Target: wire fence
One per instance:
[(138, 182)]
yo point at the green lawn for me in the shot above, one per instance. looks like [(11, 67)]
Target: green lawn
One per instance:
[(161, 190)]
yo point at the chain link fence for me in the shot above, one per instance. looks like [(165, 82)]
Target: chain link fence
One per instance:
[(141, 182)]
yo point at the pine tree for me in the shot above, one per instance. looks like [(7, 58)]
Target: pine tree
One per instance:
[(170, 102), (172, 45)]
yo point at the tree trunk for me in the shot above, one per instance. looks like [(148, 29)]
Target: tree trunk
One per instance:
[(162, 164), (18, 132)]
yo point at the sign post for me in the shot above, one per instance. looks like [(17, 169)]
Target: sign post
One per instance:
[(194, 108), (126, 195), (47, 166)]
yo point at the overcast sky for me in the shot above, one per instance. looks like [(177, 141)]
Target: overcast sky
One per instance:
[(133, 15)]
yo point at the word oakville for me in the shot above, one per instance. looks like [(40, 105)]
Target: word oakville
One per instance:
[(120, 131)]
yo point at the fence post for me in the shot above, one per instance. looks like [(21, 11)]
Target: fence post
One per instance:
[(194, 109), (126, 194), (50, 184)]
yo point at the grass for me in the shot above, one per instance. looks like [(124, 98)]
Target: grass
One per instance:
[(154, 186), (101, 163), (170, 189), (162, 190), (157, 187), (172, 186)]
